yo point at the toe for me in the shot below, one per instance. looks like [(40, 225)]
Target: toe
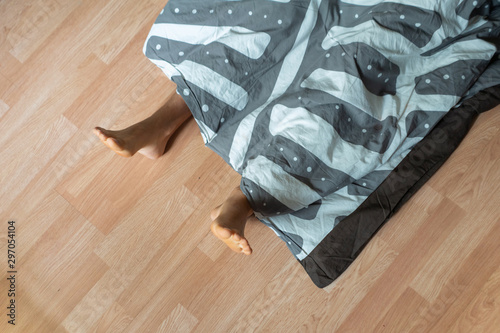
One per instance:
[(104, 137), (100, 130), (100, 134), (117, 146), (113, 143), (245, 247)]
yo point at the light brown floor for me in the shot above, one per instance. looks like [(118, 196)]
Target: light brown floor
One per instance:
[(109, 244)]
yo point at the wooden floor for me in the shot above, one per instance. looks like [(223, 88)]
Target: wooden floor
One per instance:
[(110, 244)]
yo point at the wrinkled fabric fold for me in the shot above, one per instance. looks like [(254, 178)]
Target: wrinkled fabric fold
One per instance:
[(316, 103)]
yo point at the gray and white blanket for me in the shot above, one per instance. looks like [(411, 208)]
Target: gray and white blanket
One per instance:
[(315, 103)]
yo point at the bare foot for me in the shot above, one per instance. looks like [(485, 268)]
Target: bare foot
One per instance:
[(150, 136), (146, 139), (229, 220)]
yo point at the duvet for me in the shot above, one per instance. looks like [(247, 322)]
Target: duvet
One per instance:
[(333, 112)]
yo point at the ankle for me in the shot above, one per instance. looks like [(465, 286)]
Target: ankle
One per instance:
[(240, 201), (156, 125), (168, 119)]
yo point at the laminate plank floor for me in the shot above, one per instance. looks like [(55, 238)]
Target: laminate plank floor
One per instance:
[(112, 244)]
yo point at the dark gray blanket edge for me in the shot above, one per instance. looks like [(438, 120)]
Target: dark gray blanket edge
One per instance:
[(335, 253)]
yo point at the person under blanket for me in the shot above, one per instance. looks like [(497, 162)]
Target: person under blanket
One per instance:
[(312, 102), (149, 137)]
